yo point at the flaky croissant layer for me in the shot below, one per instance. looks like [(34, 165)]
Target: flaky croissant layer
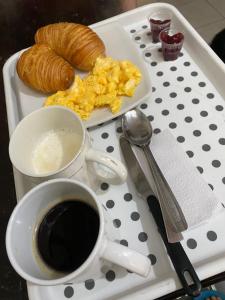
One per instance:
[(76, 43), (42, 69)]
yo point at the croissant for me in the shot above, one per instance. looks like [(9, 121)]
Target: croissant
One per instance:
[(76, 43), (42, 69)]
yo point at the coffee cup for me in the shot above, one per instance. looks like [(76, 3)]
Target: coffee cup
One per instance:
[(52, 142), (27, 241)]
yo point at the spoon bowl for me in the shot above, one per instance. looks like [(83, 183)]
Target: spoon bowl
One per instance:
[(136, 127)]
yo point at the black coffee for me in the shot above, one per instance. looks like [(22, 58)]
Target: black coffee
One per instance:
[(67, 235)]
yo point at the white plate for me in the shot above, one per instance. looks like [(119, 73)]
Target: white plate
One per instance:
[(119, 46)]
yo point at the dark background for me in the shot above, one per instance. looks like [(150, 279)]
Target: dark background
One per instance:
[(19, 19)]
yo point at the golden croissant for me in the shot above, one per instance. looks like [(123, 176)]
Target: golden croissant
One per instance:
[(76, 43), (42, 69)]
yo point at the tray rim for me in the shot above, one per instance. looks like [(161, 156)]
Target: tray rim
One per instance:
[(210, 267)]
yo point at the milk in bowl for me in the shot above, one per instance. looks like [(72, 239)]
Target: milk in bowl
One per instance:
[(53, 150)]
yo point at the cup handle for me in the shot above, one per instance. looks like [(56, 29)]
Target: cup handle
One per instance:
[(119, 170), (127, 258)]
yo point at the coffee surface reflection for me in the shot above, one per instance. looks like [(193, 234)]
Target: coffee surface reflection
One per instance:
[(67, 234)]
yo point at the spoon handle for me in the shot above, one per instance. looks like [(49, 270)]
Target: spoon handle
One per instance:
[(165, 195)]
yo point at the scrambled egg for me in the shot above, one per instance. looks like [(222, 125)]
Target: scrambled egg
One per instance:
[(108, 80)]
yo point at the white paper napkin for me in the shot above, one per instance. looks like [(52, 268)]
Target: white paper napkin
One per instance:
[(195, 197)]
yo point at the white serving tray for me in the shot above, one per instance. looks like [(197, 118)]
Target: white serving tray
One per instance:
[(187, 98)]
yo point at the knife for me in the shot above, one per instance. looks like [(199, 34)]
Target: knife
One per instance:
[(182, 265)]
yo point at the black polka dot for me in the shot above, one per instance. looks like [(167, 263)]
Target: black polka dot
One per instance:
[(153, 89), (200, 169), (195, 101), (160, 73), (132, 31), (187, 89), (89, 284), (222, 141), (211, 186), (150, 118), (173, 68), (104, 186), (135, 216), (190, 153), (172, 125), (204, 113), (144, 26), (110, 204), (142, 46), (166, 83), (137, 38), (210, 95), (180, 139), (124, 243), (191, 243), (148, 54), (194, 73), (153, 63), (219, 107), (153, 259), (188, 119), (211, 235), (173, 95), (181, 54), (213, 126), (187, 63), (206, 147), (165, 112), (142, 236), (180, 78), (216, 163), (110, 275), (110, 149), (149, 33), (143, 105), (156, 130), (128, 197), (223, 180), (202, 84), (197, 133), (160, 50), (119, 129), (158, 100), (117, 223), (105, 135), (180, 106), (68, 292)]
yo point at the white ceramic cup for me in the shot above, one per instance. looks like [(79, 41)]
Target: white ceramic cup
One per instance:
[(23, 224), (70, 149)]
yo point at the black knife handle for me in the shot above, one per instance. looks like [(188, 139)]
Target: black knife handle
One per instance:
[(179, 258)]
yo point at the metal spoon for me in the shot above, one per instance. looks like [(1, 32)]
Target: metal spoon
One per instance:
[(138, 130)]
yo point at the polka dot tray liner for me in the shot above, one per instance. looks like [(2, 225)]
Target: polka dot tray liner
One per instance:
[(185, 101)]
